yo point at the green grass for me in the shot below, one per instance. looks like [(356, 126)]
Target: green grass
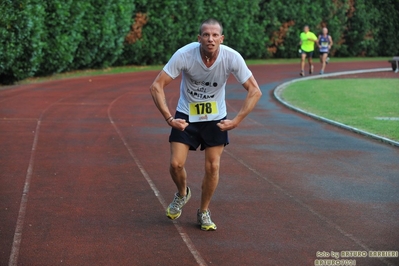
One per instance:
[(354, 102)]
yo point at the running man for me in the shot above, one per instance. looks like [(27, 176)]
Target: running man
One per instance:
[(324, 43), (307, 42), (200, 118)]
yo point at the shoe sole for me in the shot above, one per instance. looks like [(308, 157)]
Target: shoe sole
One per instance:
[(171, 216), (208, 227)]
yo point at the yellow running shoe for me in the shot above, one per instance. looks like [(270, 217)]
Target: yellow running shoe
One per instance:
[(204, 220), (174, 209)]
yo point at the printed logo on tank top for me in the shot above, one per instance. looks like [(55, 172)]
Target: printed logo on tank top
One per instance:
[(203, 89), (204, 109)]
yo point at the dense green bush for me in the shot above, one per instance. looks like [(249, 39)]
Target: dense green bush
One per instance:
[(357, 28), (171, 24), (386, 27), (105, 25), (50, 36), (21, 35), (62, 34)]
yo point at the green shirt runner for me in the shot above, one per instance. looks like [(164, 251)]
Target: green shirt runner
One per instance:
[(307, 46)]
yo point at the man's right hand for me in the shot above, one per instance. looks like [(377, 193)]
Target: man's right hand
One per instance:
[(179, 124)]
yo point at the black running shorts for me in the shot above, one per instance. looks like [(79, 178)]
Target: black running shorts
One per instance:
[(308, 54), (206, 134)]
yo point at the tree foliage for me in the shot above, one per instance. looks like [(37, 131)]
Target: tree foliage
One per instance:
[(104, 27), (61, 35), (21, 35), (50, 36)]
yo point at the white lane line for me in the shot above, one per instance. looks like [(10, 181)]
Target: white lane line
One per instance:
[(17, 119), (82, 103), (307, 207), (387, 118), (190, 245), (16, 243)]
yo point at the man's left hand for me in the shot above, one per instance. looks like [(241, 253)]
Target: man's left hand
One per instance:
[(225, 125)]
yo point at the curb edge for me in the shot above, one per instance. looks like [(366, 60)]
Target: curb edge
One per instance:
[(280, 88)]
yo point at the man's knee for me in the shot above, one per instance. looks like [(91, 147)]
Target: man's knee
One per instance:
[(212, 167), (176, 166)]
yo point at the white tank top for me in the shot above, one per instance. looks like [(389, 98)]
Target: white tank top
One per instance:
[(202, 89)]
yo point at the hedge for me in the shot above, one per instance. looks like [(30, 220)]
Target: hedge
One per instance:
[(21, 34), (51, 36)]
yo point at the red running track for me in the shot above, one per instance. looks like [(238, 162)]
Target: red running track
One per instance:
[(84, 180)]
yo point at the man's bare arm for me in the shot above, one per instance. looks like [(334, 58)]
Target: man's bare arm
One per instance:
[(253, 96), (158, 95)]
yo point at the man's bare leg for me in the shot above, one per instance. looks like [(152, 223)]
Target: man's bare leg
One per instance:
[(211, 177), (179, 152), (323, 59), (303, 57), (310, 61)]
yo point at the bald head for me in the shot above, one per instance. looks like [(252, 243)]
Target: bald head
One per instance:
[(211, 21)]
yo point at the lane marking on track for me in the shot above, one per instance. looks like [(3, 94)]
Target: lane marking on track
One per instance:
[(83, 103), (18, 119), (16, 243), (387, 118), (307, 207), (190, 245)]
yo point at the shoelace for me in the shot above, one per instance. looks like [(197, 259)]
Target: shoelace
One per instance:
[(177, 202), (205, 218)]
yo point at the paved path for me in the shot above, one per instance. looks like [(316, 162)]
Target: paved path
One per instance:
[(83, 181)]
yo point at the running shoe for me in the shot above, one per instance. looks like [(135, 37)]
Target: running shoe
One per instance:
[(321, 72), (311, 69), (302, 73), (204, 220), (175, 208), (327, 59)]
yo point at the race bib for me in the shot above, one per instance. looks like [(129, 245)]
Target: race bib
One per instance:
[(203, 111), (324, 44)]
